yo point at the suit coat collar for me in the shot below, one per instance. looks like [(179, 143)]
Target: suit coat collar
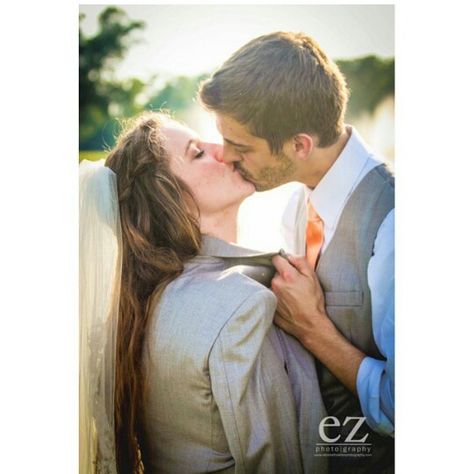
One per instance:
[(251, 263), (214, 247)]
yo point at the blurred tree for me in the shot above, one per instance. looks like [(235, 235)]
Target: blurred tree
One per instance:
[(370, 79), (177, 94), (101, 97)]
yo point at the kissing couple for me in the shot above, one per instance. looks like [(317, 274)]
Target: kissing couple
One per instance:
[(198, 355)]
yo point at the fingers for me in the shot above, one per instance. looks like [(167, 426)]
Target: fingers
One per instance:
[(284, 268), (301, 264), (277, 283), (281, 322)]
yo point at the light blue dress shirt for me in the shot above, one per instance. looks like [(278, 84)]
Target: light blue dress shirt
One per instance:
[(375, 378)]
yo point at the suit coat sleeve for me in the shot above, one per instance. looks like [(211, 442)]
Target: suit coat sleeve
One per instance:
[(252, 391)]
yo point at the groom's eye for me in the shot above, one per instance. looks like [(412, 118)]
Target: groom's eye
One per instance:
[(242, 151), (199, 154)]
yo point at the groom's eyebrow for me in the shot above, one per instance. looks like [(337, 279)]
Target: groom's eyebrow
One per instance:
[(239, 145)]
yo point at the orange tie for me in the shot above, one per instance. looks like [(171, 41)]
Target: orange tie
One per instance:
[(314, 235)]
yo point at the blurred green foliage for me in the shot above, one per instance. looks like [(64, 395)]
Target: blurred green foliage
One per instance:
[(177, 94), (103, 99), (101, 96), (370, 79)]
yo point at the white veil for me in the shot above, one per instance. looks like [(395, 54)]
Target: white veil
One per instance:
[(100, 263)]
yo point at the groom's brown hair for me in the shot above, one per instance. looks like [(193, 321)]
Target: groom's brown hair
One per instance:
[(279, 85)]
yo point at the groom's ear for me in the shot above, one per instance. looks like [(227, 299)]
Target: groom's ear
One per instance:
[(302, 145)]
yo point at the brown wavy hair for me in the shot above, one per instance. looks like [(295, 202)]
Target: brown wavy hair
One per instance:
[(160, 231)]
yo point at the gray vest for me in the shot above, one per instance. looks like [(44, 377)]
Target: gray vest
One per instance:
[(342, 271)]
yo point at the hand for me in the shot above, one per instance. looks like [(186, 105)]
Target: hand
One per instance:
[(301, 313), (301, 307)]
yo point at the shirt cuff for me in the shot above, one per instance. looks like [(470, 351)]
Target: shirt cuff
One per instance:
[(370, 388)]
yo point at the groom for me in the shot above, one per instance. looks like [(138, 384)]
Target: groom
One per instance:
[(280, 103)]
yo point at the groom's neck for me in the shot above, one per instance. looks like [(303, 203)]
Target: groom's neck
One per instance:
[(322, 159)]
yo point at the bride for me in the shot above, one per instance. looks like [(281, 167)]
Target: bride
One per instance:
[(182, 370)]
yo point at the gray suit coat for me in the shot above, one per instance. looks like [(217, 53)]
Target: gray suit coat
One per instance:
[(227, 390)]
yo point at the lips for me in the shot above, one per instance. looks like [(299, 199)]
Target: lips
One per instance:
[(242, 173)]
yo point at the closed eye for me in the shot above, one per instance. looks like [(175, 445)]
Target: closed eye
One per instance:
[(242, 151), (200, 154)]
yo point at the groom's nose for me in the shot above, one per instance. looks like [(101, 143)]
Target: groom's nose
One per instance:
[(216, 151), (230, 155), (219, 155)]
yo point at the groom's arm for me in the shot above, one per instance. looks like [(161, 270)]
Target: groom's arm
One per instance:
[(375, 378), (301, 312)]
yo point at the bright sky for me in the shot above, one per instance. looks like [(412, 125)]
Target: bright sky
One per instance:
[(192, 39)]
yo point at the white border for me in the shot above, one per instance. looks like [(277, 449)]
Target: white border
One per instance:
[(38, 195)]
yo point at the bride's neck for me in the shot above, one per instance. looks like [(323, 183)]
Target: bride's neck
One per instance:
[(222, 225)]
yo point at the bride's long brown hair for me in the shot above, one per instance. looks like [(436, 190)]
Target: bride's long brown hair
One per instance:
[(159, 232)]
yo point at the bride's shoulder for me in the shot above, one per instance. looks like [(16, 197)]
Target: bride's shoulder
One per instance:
[(212, 299), (221, 290)]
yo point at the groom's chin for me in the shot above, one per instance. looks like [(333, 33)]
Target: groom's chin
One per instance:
[(260, 187)]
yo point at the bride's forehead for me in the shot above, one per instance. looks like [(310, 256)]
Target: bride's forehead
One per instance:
[(176, 132)]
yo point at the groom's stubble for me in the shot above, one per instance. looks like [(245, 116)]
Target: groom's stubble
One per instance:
[(270, 177)]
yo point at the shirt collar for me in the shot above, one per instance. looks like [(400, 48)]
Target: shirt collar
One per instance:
[(331, 193)]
